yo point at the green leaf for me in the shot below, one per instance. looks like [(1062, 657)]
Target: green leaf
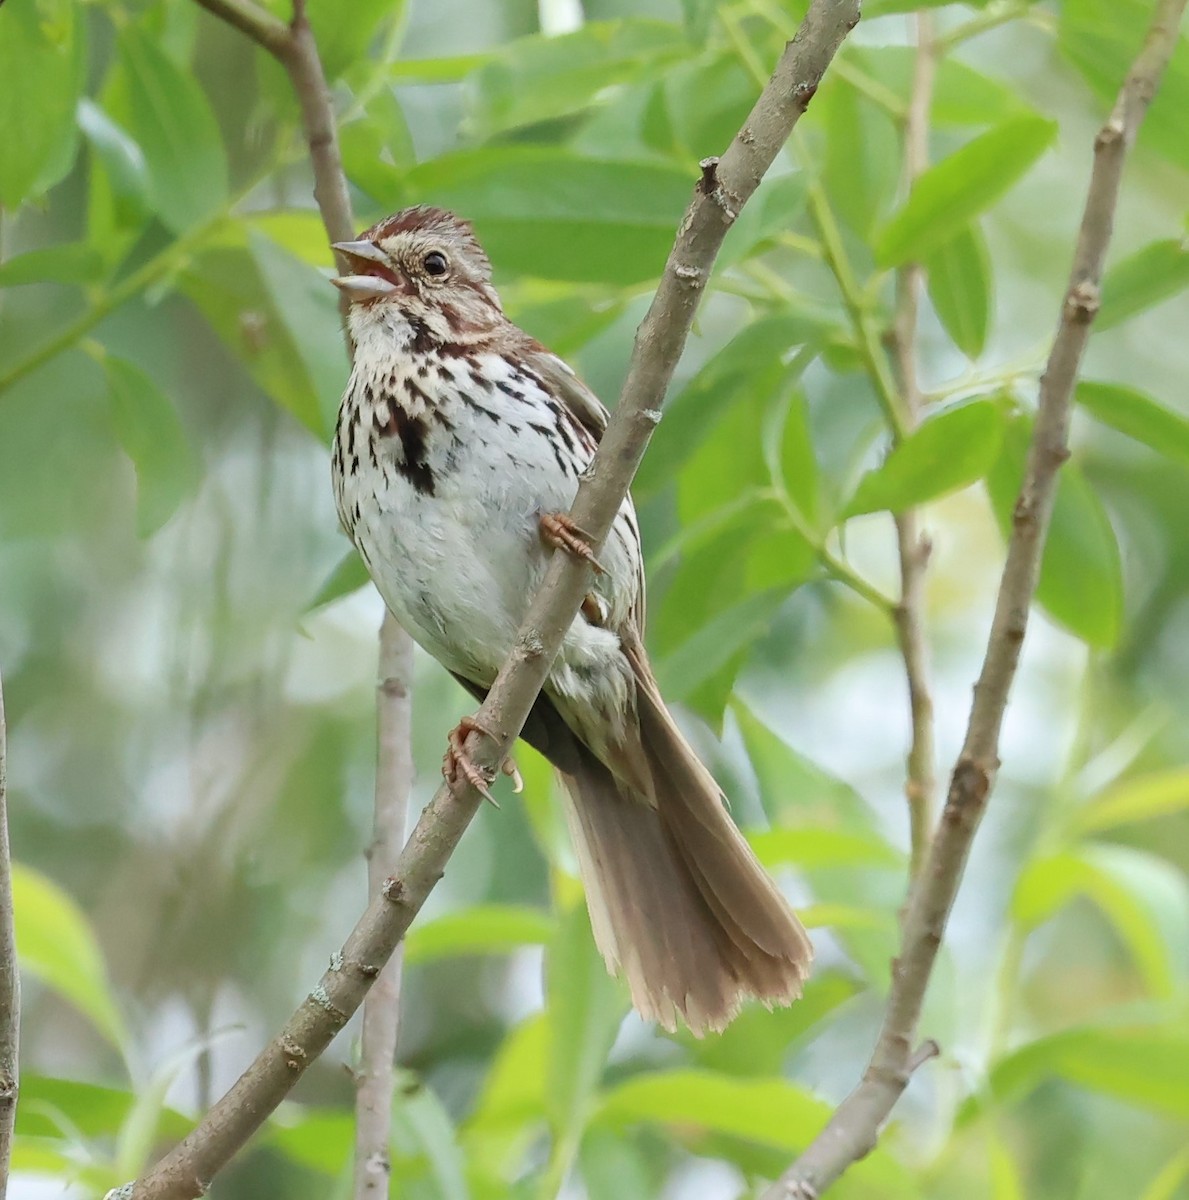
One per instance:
[(54, 1108), (796, 467), (541, 77), (377, 148), (56, 944), (959, 281), (348, 576), (961, 94), (1149, 277), (42, 63), (862, 155), (823, 848), (948, 451), (793, 789), (1169, 1180), (425, 1142), (1100, 38), (170, 118), (1081, 575), (759, 1041), (308, 307), (509, 1115), (224, 282), (585, 1008), (73, 262), (749, 368), (1144, 898), (122, 162), (342, 43), (771, 1112), (1138, 416), (480, 929), (552, 214), (950, 194), (167, 472), (773, 208), (1159, 794), (1146, 1066)]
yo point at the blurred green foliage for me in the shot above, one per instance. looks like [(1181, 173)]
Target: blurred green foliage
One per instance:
[(188, 651)]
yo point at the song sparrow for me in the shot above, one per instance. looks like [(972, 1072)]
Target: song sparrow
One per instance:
[(459, 445)]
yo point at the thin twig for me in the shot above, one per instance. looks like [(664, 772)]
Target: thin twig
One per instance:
[(10, 980), (381, 1009), (912, 544), (725, 186), (853, 1129)]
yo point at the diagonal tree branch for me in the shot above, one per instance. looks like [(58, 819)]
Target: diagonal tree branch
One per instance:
[(725, 186), (853, 1129), (10, 980)]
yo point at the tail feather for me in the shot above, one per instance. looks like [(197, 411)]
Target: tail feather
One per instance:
[(678, 901)]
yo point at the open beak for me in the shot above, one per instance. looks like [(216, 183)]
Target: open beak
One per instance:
[(373, 280)]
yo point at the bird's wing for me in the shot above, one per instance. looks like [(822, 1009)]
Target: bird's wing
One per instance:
[(590, 414)]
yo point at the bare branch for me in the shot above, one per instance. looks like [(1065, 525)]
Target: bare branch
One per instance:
[(852, 1131), (258, 23), (10, 980), (725, 187), (381, 1009), (913, 545)]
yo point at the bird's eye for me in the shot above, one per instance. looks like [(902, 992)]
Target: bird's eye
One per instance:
[(435, 263)]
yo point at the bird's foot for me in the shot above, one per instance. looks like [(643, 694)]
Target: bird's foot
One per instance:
[(459, 769), (560, 532)]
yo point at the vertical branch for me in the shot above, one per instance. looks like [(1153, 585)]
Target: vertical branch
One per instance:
[(381, 1009), (10, 982), (913, 545), (854, 1128), (295, 48)]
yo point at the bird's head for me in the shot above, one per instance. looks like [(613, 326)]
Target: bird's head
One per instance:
[(424, 264)]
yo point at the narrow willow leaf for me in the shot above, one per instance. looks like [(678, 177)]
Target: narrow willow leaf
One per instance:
[(772, 1112), (1149, 277), (1138, 416), (748, 370), (74, 262), (170, 118), (959, 282), (480, 929), (308, 308), (862, 156), (1100, 38), (1081, 574), (585, 1009), (770, 211), (949, 451), (954, 191), (348, 576), (541, 78), (122, 162), (151, 433), (1147, 1066), (42, 56), (961, 95), (556, 215), (57, 945), (1144, 899), (1159, 794), (225, 283)]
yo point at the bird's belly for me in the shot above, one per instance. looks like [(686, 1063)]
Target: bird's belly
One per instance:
[(458, 567)]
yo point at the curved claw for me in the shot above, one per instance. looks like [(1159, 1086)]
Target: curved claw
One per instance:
[(560, 532), (457, 766)]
